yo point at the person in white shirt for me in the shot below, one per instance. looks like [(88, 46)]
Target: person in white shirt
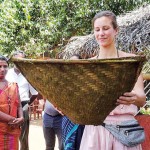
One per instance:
[(25, 90)]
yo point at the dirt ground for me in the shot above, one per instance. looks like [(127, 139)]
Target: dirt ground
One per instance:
[(36, 138)]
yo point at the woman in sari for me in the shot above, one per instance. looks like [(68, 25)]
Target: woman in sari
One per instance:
[(11, 114)]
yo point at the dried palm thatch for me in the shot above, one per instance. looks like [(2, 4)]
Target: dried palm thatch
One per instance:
[(84, 46), (82, 89), (134, 36), (134, 33)]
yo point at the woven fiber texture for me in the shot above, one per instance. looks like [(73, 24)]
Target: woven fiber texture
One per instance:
[(84, 90)]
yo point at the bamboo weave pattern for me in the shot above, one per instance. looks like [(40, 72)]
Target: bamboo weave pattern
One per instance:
[(84, 90)]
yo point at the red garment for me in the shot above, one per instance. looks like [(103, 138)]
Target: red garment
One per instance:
[(9, 104)]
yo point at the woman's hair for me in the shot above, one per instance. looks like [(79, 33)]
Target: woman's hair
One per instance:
[(4, 58), (108, 14)]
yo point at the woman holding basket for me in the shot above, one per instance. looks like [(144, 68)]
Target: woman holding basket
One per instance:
[(98, 137)]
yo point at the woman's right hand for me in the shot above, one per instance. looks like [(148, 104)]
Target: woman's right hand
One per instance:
[(127, 98), (17, 122)]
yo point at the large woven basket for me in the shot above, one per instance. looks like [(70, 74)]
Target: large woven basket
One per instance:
[(84, 90)]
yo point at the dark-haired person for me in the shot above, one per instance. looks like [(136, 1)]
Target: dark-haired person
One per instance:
[(11, 114), (25, 90)]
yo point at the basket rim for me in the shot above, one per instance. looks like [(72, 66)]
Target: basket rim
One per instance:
[(81, 61)]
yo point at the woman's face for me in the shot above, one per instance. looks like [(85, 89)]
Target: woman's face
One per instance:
[(104, 31), (3, 69)]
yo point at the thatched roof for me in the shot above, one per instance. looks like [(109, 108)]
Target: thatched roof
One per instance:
[(134, 36), (85, 46)]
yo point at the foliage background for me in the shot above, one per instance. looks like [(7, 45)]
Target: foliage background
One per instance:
[(36, 26)]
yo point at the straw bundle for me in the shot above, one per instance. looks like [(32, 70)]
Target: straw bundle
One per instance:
[(84, 90)]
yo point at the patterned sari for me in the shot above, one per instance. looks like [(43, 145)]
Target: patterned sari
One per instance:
[(71, 134), (9, 137)]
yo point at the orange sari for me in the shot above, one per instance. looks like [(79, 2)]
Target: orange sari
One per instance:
[(9, 102)]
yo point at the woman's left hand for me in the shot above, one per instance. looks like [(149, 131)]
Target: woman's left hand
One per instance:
[(127, 98)]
